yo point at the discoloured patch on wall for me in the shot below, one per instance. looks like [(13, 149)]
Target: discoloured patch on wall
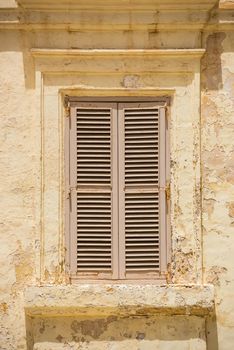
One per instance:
[(91, 328), (139, 332), (23, 264)]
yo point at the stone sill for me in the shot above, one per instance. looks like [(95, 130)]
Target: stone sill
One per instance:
[(119, 299), (226, 4), (8, 4)]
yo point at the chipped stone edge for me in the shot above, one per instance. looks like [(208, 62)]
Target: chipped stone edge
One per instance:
[(119, 299)]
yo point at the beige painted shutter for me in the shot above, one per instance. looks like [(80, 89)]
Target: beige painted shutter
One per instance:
[(142, 204), (94, 199)]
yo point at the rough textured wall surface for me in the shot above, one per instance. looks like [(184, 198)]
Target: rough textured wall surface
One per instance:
[(21, 258), (217, 113), (19, 155)]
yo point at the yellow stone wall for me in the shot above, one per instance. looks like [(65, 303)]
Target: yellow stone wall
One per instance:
[(141, 48)]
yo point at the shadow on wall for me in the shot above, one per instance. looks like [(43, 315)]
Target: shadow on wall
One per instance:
[(117, 333), (211, 332), (211, 70)]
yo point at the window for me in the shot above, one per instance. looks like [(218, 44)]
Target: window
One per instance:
[(117, 212)]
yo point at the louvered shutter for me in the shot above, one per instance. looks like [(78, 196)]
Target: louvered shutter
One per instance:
[(142, 204), (94, 199)]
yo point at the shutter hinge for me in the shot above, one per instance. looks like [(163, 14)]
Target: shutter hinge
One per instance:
[(167, 111), (68, 196), (168, 191), (67, 106), (70, 191)]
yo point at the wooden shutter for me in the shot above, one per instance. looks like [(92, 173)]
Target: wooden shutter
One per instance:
[(94, 199), (117, 181), (142, 206)]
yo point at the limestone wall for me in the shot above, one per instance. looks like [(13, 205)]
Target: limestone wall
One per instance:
[(217, 113), (40, 63)]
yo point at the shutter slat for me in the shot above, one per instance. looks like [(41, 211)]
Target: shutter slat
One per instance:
[(95, 229), (142, 146), (141, 230), (139, 142), (83, 216), (91, 211), (96, 250), (101, 167), (143, 151), (139, 136), (90, 121), (94, 243), (133, 217), (142, 206)]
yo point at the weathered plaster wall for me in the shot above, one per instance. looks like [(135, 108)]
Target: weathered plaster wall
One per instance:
[(217, 115), (19, 174), (32, 245)]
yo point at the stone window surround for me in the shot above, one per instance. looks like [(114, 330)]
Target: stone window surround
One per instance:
[(177, 76)]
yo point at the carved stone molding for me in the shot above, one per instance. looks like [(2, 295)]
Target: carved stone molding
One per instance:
[(134, 5), (137, 15), (117, 53)]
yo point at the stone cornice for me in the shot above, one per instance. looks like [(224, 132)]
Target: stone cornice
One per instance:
[(109, 53), (154, 21), (101, 5), (16, 25)]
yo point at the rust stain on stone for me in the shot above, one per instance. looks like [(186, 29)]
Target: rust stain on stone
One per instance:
[(184, 263), (230, 207), (4, 307), (214, 274), (140, 336), (42, 328), (54, 275), (208, 206), (59, 338)]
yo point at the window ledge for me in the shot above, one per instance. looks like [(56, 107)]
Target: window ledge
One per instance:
[(119, 299), (226, 4)]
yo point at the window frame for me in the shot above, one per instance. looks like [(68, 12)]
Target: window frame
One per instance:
[(163, 275)]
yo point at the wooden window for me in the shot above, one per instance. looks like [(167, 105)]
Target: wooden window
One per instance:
[(117, 207)]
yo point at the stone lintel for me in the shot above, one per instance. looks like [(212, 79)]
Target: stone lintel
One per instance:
[(119, 299)]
